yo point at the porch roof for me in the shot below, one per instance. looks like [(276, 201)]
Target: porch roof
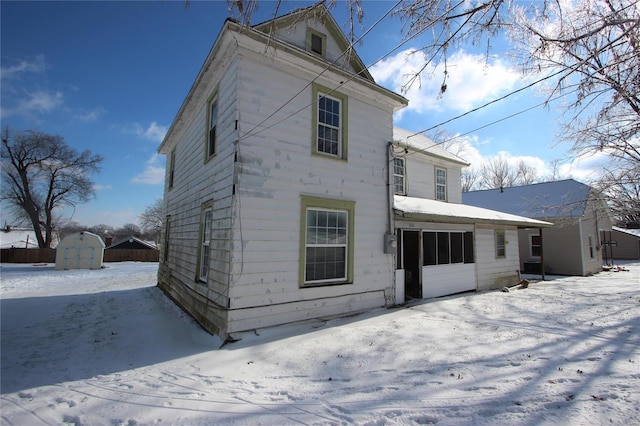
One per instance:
[(438, 211)]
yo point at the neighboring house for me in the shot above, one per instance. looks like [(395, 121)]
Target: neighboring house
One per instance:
[(579, 214), (621, 244), (279, 186), (21, 238), (132, 243)]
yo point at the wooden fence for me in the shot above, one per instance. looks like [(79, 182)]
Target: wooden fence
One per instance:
[(21, 255)]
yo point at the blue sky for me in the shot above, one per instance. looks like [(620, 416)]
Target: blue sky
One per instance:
[(110, 77)]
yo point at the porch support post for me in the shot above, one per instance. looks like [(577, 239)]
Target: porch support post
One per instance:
[(541, 254)]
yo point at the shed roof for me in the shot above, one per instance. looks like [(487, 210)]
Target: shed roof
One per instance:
[(132, 242), (548, 200), (633, 232), (439, 211)]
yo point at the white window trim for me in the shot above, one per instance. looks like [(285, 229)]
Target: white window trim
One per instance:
[(502, 232)]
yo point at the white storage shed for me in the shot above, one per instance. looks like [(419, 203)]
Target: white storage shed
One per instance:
[(82, 250)]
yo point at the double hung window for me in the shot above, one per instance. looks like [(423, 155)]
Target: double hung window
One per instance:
[(501, 248), (213, 125), (441, 184), (327, 241), (205, 242), (399, 185), (329, 130)]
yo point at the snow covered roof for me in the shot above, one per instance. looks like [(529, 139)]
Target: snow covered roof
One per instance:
[(132, 242), (563, 198), (425, 145), (439, 211), (634, 232), (18, 238)]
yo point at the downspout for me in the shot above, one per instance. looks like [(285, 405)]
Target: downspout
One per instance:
[(391, 224)]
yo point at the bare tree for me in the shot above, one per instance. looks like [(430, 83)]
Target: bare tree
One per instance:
[(594, 48), (470, 178), (41, 175), (622, 191), (152, 217), (498, 173), (526, 175)]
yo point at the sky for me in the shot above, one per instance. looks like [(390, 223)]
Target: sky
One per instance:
[(110, 77), (562, 352)]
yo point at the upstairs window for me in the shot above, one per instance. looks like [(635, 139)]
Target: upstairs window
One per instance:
[(399, 176), (172, 167), (329, 127), (213, 125), (316, 43), (329, 122), (441, 184)]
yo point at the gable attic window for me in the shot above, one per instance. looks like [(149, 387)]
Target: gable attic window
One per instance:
[(316, 43), (212, 126), (329, 129)]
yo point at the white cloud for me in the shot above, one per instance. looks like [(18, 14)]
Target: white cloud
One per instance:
[(89, 115), (37, 65), (98, 187), (153, 174), (471, 80), (153, 131), (40, 101)]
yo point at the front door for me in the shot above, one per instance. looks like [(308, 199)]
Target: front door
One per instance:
[(411, 263)]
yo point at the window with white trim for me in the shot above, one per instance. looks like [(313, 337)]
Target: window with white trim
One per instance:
[(205, 242), (441, 184), (535, 245), (172, 167), (167, 233), (501, 247), (399, 176), (442, 248)]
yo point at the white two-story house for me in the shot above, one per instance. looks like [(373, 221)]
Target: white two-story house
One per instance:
[(279, 194)]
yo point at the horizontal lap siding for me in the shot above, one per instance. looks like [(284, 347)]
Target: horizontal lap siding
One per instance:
[(197, 182), (496, 272), (441, 280), (275, 168)]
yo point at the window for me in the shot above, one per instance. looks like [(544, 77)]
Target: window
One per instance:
[(399, 176), (326, 241), (167, 228), (213, 124), (443, 248), (536, 245), (591, 247), (172, 167), (500, 243), (330, 123), (468, 247), (205, 241), (316, 42), (441, 184)]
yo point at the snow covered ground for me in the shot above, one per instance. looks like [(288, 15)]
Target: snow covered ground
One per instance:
[(106, 348)]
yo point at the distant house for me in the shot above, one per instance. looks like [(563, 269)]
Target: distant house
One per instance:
[(621, 244), (290, 196), (573, 246), (132, 243), (11, 237)]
